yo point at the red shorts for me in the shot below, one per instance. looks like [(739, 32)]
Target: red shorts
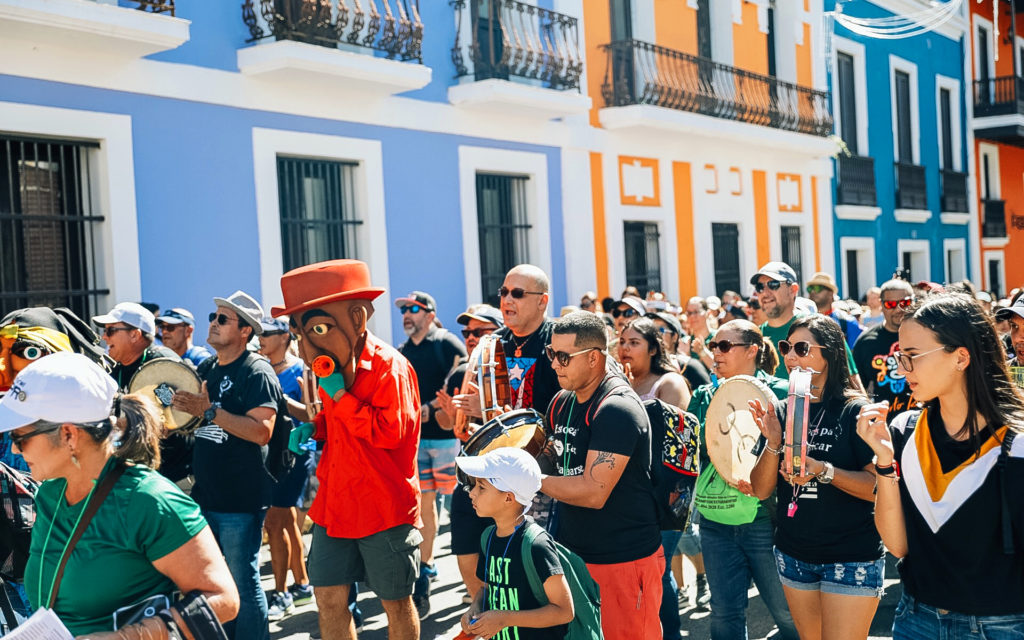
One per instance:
[(631, 597)]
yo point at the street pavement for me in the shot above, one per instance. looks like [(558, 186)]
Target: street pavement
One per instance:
[(447, 607)]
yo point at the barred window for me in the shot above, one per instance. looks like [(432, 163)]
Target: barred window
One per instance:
[(504, 229), (643, 256), (48, 230), (319, 220)]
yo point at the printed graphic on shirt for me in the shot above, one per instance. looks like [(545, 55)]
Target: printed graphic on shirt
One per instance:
[(212, 433), (501, 595), (225, 385), (520, 377), (889, 377)]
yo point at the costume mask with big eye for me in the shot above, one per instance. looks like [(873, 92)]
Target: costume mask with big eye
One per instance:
[(331, 334)]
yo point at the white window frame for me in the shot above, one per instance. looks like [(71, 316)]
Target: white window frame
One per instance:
[(1000, 257), (112, 186), (978, 21), (865, 263), (915, 246), (473, 160), (856, 51), (897, 63), (992, 151), (371, 236), (954, 244), (953, 86)]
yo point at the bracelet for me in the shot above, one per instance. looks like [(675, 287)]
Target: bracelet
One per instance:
[(768, 448), (892, 470)]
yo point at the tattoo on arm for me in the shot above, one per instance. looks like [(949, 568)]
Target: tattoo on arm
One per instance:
[(603, 457)]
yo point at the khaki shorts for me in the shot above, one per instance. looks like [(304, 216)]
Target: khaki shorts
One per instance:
[(388, 561)]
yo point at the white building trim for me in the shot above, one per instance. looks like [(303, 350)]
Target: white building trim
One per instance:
[(953, 86), (960, 269), (865, 248), (979, 21), (857, 212), (921, 265), (856, 51), (897, 63), (473, 160), (912, 215), (991, 151), (372, 243), (112, 185), (994, 256)]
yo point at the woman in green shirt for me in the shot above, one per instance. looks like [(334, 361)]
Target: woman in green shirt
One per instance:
[(146, 541)]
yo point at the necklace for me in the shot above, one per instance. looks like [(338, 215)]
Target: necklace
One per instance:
[(798, 489), (519, 345), (279, 363)]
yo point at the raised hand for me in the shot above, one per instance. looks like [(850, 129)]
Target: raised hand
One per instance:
[(767, 422), (872, 429)]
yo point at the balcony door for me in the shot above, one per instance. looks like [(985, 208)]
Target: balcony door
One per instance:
[(725, 240), (792, 251), (984, 87), (946, 129), (847, 101), (904, 139), (489, 40)]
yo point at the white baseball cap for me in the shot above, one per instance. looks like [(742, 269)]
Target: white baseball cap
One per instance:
[(130, 313), (61, 387), (508, 469)]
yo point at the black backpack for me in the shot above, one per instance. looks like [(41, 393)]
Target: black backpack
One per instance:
[(674, 462)]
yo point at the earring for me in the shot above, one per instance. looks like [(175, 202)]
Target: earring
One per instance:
[(74, 460)]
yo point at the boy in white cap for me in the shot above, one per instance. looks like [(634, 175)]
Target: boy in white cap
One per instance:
[(503, 483)]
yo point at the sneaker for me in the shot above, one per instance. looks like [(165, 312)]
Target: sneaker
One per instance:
[(684, 597), (421, 595), (430, 570), (301, 593), (703, 597), (279, 604), (467, 599)]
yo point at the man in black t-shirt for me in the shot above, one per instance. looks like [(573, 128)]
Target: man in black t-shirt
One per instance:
[(875, 350), (239, 402), (433, 353), (602, 446)]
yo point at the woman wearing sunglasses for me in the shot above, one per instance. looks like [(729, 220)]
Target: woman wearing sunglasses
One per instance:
[(112, 537), (738, 549), (949, 501), (828, 552)]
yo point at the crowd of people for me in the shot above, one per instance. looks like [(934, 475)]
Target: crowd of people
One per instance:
[(916, 394)]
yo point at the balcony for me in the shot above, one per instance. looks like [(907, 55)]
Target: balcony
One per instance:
[(856, 184), (954, 192), (517, 57), (640, 73), (367, 44), (911, 193), (994, 221), (999, 109), (138, 29)]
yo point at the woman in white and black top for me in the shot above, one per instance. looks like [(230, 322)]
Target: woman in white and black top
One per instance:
[(828, 553), (647, 365), (949, 502)]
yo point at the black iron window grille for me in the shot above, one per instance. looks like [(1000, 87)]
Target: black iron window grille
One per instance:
[(643, 256), (319, 217), (856, 184), (994, 221), (998, 96), (644, 73), (511, 38), (391, 26), (48, 230), (954, 191), (725, 243), (911, 191), (792, 251), (503, 225)]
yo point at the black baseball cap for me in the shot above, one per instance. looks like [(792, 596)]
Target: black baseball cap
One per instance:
[(483, 313), (425, 300)]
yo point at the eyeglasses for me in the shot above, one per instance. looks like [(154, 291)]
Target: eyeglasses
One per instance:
[(411, 308), (109, 331), (517, 293), (220, 318), (479, 332), (664, 330), (169, 327), (562, 357), (902, 304), (907, 361), (801, 349), (725, 346), (47, 427), (816, 288), (624, 313), (771, 284)]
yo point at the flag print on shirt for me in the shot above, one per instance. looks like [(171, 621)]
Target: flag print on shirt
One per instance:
[(520, 377)]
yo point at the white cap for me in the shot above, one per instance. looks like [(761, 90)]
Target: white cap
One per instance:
[(508, 469), (61, 387), (133, 315)]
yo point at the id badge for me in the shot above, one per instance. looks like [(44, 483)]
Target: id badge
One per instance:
[(137, 612)]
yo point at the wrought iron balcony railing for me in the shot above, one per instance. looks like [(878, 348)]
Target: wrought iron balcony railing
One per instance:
[(513, 38), (911, 186), (954, 191), (391, 26), (644, 73), (998, 96), (994, 222), (856, 184)]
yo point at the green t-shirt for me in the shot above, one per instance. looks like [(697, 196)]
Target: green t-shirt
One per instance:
[(144, 518), (778, 334)]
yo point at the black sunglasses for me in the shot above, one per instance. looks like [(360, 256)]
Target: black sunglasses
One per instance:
[(801, 349), (624, 313), (771, 284), (109, 331), (479, 332), (411, 308), (222, 319), (41, 428), (725, 346), (517, 293), (902, 304), (816, 288), (562, 357)]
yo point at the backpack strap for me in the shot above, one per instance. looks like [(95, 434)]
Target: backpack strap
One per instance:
[(1004, 494), (530, 533), (8, 610), (617, 387)]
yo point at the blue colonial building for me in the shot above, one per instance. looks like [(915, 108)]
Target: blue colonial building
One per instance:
[(902, 193), (176, 150)]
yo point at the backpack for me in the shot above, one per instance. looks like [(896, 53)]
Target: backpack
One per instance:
[(674, 462), (17, 492), (586, 595)]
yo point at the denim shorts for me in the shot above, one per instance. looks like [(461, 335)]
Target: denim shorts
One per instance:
[(842, 578), (917, 621)]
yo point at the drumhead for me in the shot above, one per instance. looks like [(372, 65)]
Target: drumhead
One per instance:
[(521, 429), (729, 428), (158, 380)]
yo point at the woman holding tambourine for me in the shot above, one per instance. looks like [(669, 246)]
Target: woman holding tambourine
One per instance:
[(949, 502), (828, 554)]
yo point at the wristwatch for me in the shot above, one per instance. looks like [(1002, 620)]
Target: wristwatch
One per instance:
[(211, 413), (827, 474)]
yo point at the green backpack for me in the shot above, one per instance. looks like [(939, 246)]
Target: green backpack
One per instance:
[(586, 597)]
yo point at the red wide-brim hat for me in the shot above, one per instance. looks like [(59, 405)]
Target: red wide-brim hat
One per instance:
[(317, 284)]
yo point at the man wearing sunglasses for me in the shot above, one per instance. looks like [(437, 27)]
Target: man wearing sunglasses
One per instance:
[(176, 327), (822, 290), (626, 310), (433, 353), (775, 285), (875, 350)]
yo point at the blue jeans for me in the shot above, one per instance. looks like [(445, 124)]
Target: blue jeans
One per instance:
[(733, 554), (669, 612), (239, 536), (917, 621)]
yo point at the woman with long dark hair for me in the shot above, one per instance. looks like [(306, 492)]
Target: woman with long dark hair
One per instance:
[(828, 553), (949, 501)]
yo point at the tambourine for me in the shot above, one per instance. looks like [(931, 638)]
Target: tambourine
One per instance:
[(158, 380), (798, 405), (729, 428)]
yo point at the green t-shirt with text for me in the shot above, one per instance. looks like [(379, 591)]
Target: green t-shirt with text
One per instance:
[(778, 334)]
